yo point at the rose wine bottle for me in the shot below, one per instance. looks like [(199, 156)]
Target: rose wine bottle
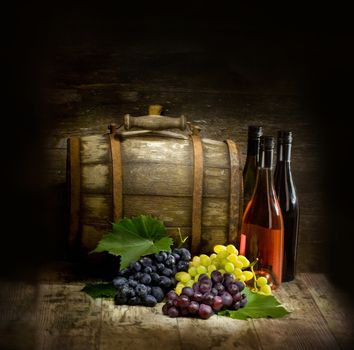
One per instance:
[(286, 193), (262, 231), (251, 164)]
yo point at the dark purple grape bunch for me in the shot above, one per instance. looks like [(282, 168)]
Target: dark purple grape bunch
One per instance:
[(146, 281), (206, 297)]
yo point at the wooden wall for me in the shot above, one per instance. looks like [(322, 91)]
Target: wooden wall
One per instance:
[(221, 79), (73, 69)]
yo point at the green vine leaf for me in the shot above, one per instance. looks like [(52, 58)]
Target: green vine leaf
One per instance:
[(132, 238), (258, 306)]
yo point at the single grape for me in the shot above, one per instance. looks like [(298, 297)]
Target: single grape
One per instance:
[(155, 278), (237, 297), (243, 301), (202, 269), (147, 270), (248, 274), (173, 312), (219, 287), (226, 298), (160, 267), (240, 285), (149, 300), (138, 275), (203, 277), (205, 311), (188, 291), (266, 289), (232, 288), (214, 291), (182, 276), (126, 291), (229, 267), (145, 261), (167, 272), (204, 287), (135, 266), (204, 260), (261, 281), (219, 248), (197, 297), (145, 279), (165, 308), (193, 307), (232, 249), (171, 295), (236, 305), (185, 254), (132, 283), (118, 281), (176, 256), (208, 299), (192, 271), (158, 293), (217, 303), (170, 261), (183, 301), (165, 282), (216, 277), (244, 260), (196, 286), (141, 290)]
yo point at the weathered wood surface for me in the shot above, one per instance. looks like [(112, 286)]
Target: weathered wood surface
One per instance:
[(57, 315)]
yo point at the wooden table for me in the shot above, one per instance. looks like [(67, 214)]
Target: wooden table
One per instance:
[(60, 316)]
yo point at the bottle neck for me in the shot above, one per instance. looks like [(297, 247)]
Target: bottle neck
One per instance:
[(266, 159), (253, 147), (287, 152), (280, 156)]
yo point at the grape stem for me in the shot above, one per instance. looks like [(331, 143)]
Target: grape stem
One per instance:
[(181, 239), (254, 275)]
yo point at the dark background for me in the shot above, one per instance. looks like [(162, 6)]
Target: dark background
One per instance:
[(70, 69)]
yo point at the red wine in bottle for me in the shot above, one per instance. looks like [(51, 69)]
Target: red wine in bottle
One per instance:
[(251, 164), (286, 193), (262, 231)]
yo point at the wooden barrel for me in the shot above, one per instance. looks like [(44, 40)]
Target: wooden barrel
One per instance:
[(193, 184)]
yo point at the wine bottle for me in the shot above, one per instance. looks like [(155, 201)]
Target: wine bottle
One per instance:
[(251, 164), (262, 231), (288, 201)]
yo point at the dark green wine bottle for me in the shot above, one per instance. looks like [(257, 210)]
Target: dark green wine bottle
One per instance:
[(288, 200), (252, 161)]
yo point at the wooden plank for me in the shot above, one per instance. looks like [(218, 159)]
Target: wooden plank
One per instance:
[(94, 149), (96, 209), (335, 306), (91, 234), (137, 327), (304, 328), (172, 151), (96, 178), (176, 211)]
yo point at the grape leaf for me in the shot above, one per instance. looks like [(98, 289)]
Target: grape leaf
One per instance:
[(100, 290), (135, 237), (258, 306)]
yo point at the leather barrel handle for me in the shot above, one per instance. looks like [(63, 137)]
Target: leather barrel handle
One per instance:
[(155, 121)]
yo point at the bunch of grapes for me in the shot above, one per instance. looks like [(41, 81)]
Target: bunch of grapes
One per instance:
[(146, 281), (206, 296), (225, 259)]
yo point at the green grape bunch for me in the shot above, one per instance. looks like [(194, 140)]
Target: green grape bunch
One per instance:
[(225, 259)]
